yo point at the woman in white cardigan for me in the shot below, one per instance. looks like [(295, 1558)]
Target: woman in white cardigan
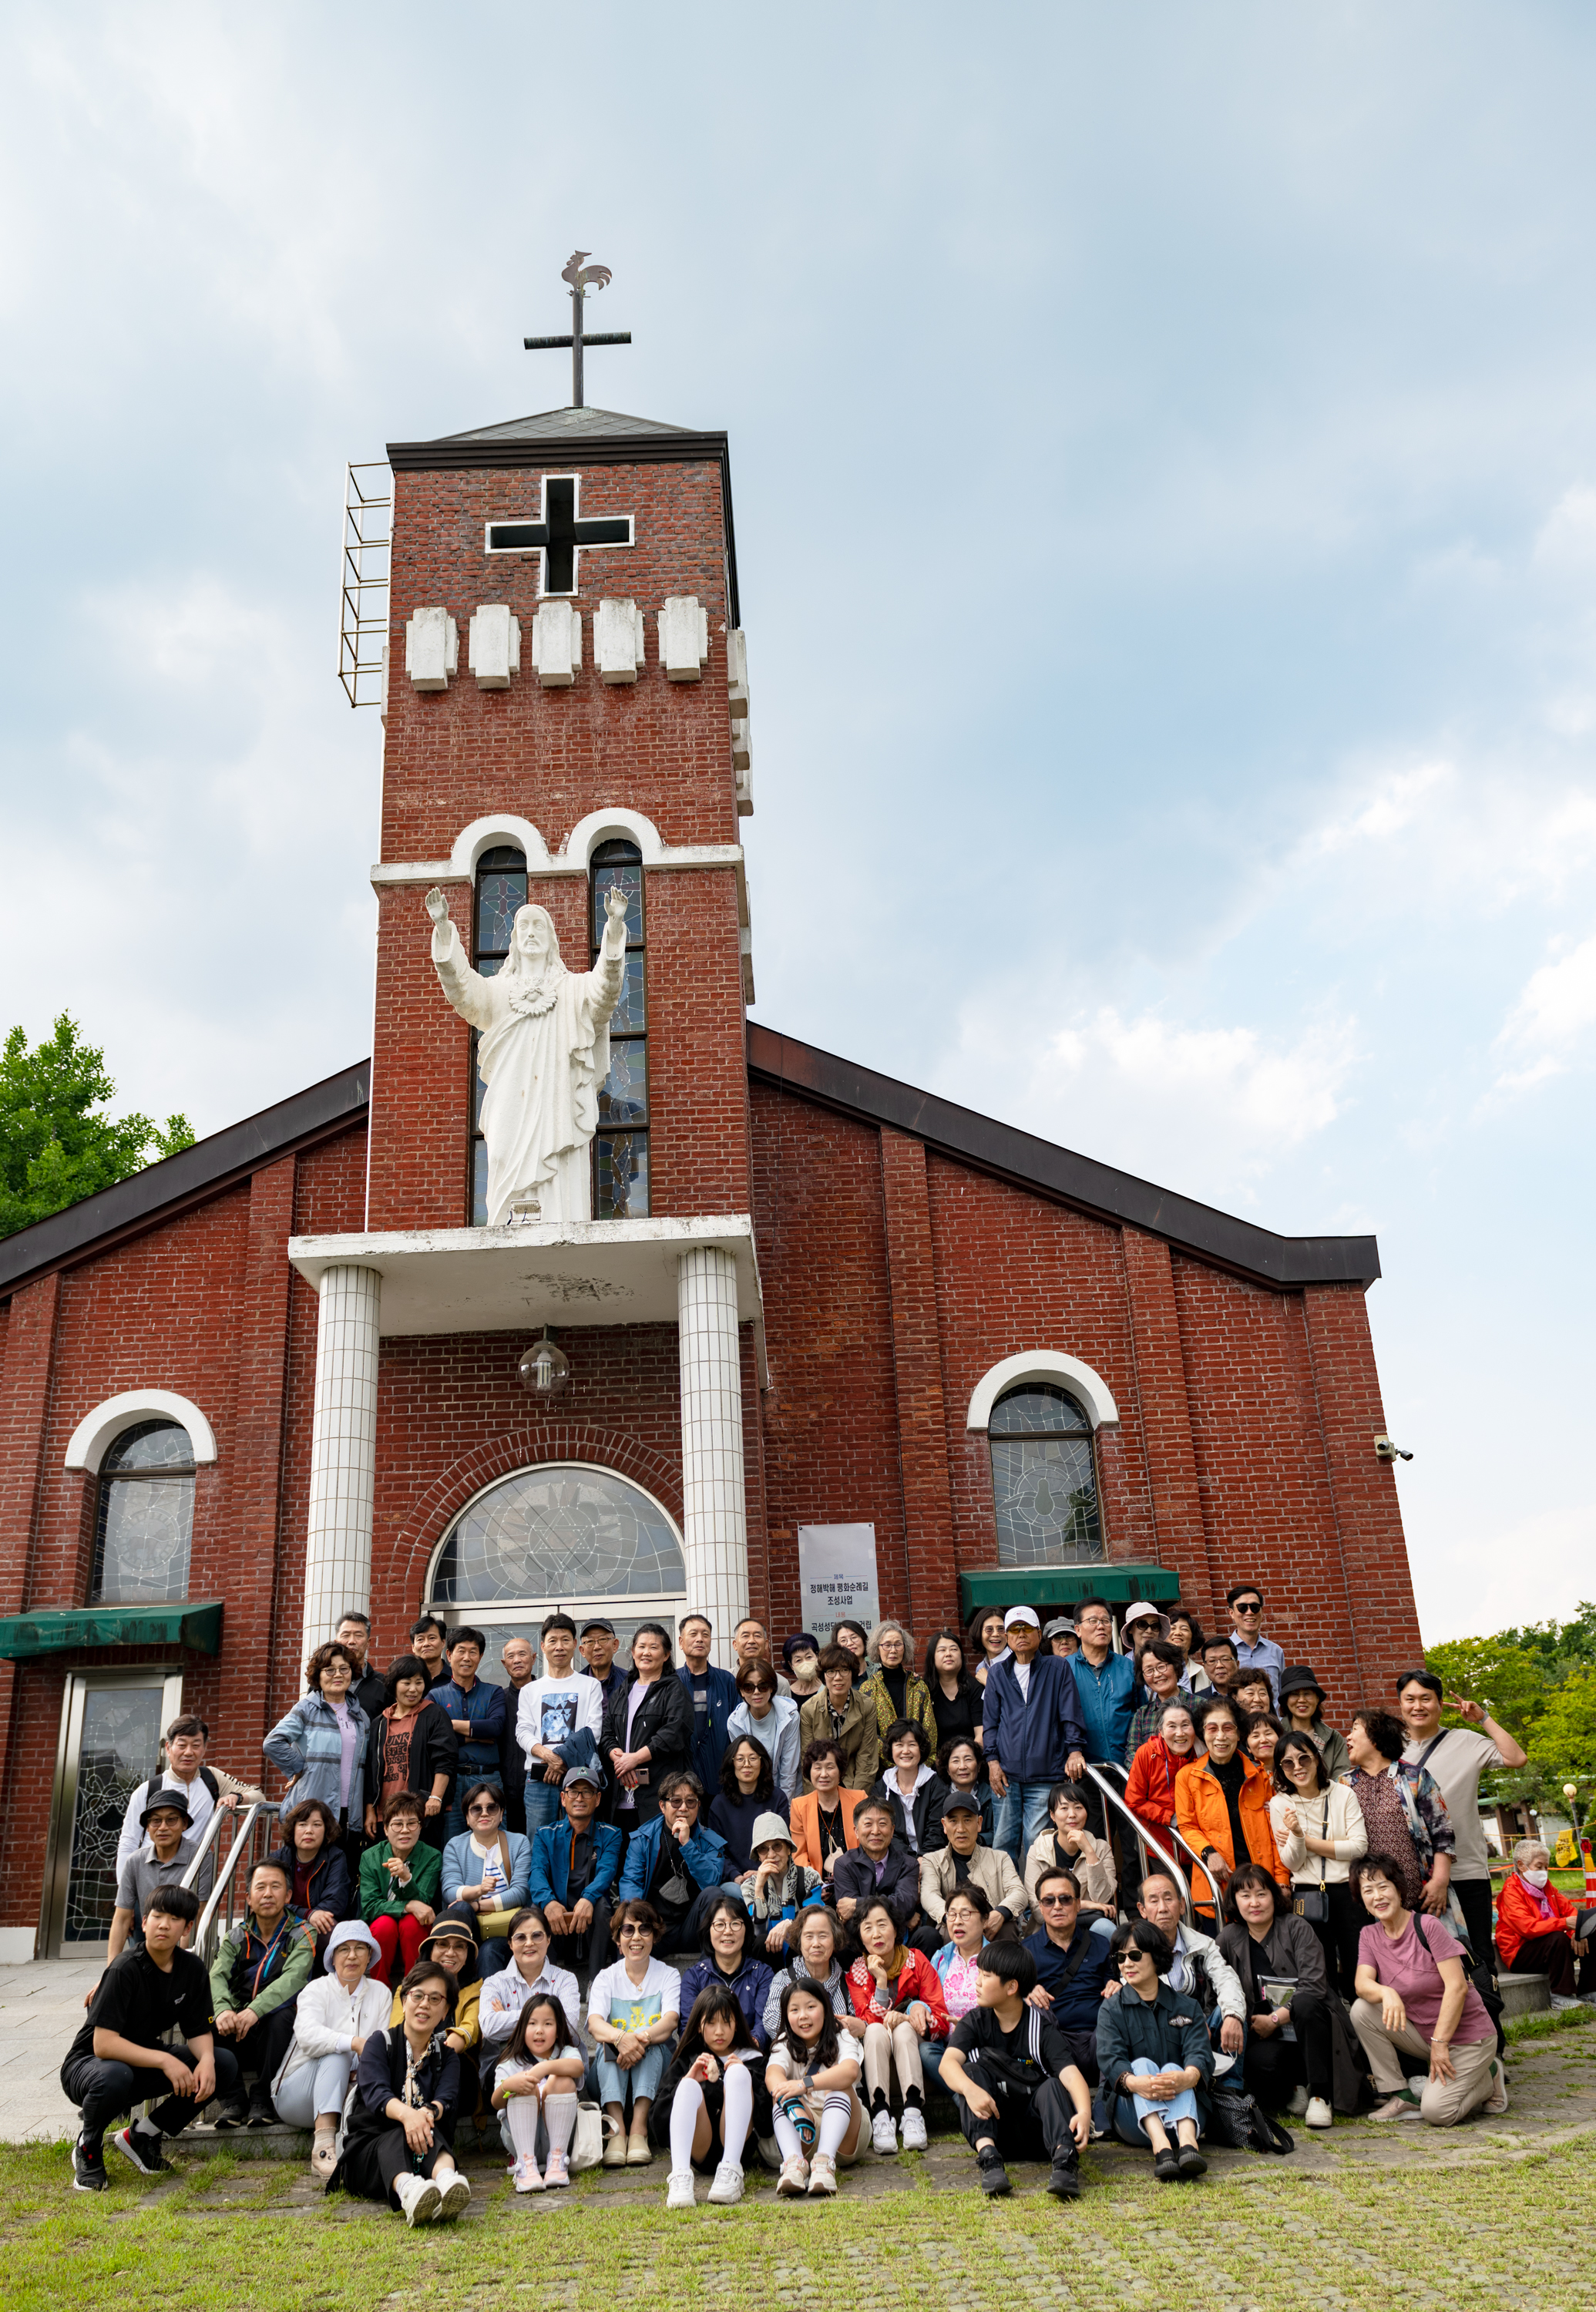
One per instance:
[(1320, 1830), (332, 2020)]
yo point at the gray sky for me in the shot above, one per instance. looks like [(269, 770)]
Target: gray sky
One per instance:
[(1164, 450)]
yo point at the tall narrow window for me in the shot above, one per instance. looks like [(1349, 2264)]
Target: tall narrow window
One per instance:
[(145, 1518), (1044, 1479), (620, 1146), (501, 888)]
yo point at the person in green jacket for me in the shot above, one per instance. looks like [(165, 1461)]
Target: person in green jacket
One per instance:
[(401, 1885), (260, 1968)]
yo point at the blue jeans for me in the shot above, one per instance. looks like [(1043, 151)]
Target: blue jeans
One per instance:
[(1021, 1818), (1180, 2106), (454, 1813), (542, 1804), (642, 2080)]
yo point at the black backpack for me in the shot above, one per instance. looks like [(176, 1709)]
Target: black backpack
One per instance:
[(1479, 1975)]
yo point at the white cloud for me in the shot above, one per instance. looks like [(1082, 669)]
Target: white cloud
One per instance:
[(1550, 1018)]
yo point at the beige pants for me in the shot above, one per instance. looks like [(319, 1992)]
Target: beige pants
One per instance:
[(893, 2045), (1444, 2102)]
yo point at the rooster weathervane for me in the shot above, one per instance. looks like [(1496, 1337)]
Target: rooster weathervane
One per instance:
[(581, 278)]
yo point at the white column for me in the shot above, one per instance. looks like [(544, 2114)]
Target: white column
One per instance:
[(343, 1452), (714, 1511)]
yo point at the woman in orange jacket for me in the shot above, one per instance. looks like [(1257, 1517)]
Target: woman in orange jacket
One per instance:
[(1150, 1785), (822, 1819), (1221, 1791)]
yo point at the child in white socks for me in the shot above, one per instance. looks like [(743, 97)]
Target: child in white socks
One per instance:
[(535, 2088), (712, 2100), (812, 2075)]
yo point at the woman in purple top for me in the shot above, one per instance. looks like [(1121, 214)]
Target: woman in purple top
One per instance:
[(1415, 2000)]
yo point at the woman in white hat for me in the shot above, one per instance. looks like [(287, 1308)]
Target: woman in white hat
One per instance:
[(332, 2020)]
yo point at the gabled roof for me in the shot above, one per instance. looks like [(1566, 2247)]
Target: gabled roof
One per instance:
[(1255, 1253), (161, 1191), (566, 425)]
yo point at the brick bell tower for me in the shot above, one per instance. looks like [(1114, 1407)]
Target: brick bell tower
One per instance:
[(565, 708)]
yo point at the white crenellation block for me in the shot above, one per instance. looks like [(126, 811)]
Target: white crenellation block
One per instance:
[(684, 638), (493, 645), (617, 641), (556, 644), (432, 649), (740, 755), (737, 673)]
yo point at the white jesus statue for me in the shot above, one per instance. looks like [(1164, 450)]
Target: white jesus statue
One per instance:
[(545, 1051)]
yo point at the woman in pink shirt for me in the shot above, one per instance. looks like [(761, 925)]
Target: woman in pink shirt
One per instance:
[(1415, 1999)]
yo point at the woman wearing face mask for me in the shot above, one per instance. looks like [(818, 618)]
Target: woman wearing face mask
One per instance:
[(1540, 1931), (1320, 1830), (1150, 1785), (1221, 1804), (334, 2016), (801, 1655), (1277, 1958)]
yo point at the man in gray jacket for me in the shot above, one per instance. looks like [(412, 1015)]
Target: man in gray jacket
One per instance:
[(964, 1859)]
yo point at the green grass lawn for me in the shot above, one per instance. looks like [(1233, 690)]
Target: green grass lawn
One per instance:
[(1474, 2224)]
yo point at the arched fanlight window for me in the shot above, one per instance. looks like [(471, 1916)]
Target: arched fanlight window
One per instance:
[(1044, 1479), (547, 1536), (144, 1519)]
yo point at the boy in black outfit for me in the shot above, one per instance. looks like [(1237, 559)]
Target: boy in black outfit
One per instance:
[(150, 2018), (1009, 2071)]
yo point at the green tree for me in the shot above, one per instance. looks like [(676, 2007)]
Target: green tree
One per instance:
[(1508, 1679), (56, 1143), (1562, 1745)]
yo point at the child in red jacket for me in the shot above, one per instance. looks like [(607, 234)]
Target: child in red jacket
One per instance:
[(897, 1997)]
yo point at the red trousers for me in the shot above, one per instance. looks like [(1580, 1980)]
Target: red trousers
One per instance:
[(400, 1938)]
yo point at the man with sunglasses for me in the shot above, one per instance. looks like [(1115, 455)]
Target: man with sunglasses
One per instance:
[(1253, 1649), (677, 1864), (1072, 1967)]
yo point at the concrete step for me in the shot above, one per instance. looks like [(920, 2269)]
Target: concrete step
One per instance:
[(1523, 1994)]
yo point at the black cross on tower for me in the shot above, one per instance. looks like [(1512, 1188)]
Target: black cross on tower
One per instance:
[(561, 534), (582, 277)]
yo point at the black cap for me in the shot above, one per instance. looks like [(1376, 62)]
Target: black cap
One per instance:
[(165, 1802), (597, 1623), (961, 1802)]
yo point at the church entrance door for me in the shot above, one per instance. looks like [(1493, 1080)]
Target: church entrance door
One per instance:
[(112, 1723)]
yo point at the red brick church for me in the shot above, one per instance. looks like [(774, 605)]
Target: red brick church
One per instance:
[(829, 1338)]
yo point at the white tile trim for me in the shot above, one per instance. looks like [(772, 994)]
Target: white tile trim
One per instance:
[(1047, 1365)]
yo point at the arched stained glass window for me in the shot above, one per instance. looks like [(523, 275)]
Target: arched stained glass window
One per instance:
[(144, 1519), (1044, 1479), (548, 1535)]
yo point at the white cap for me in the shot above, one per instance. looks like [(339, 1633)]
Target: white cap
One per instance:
[(1020, 1614)]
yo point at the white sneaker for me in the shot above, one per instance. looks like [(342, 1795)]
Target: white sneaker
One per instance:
[(679, 2189), (1561, 2002), (454, 2198), (883, 2135), (1298, 2104), (526, 2174), (794, 2180), (914, 2128), (1497, 2098), (822, 2176), (727, 2187), (418, 2197), (1317, 2112)]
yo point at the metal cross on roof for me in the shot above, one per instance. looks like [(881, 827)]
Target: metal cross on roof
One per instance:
[(582, 277)]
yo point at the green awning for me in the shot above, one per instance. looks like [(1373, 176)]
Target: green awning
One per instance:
[(196, 1625), (1064, 1585)]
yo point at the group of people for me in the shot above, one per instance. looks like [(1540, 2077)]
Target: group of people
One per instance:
[(1077, 1887)]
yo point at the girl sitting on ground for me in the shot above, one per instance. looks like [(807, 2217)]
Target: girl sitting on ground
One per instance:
[(535, 2088), (713, 2101), (813, 2077), (896, 1995)]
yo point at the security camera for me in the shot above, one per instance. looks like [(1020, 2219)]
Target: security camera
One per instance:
[(1389, 1450)]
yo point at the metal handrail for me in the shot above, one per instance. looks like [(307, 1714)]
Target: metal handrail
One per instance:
[(1116, 1799), (207, 1839), (207, 1934)]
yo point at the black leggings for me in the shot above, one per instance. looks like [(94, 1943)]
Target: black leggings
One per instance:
[(373, 2163), (1338, 1934), (1275, 2065)]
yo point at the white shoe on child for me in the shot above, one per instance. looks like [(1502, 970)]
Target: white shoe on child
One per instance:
[(914, 2128), (822, 2176), (883, 2135), (727, 2187), (527, 2178), (794, 2180), (679, 2189)]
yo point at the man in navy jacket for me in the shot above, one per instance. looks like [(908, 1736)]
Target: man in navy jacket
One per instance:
[(1034, 1737), (576, 1864), (1072, 1967), (712, 1697)]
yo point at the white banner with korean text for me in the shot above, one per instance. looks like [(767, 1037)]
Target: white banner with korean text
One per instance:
[(836, 1580)]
